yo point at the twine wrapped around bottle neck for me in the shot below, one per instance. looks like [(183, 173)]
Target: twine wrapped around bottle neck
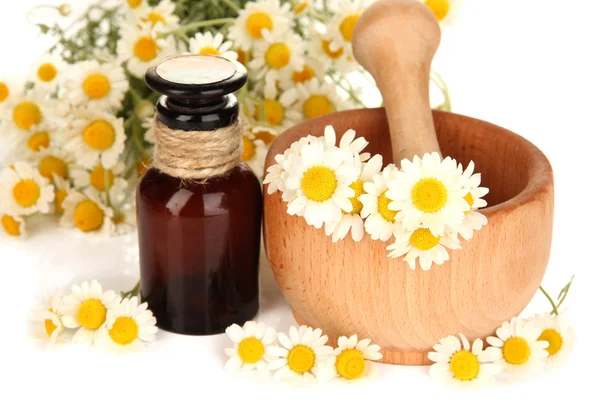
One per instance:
[(197, 154)]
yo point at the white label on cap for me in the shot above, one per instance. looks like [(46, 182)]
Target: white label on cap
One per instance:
[(196, 69)]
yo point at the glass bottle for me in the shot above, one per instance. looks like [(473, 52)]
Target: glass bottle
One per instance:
[(199, 239)]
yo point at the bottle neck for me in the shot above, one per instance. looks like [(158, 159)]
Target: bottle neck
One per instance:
[(198, 116)]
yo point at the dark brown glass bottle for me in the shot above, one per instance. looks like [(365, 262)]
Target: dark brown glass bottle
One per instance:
[(199, 240)]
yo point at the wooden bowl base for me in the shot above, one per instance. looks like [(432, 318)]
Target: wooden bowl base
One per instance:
[(397, 357)]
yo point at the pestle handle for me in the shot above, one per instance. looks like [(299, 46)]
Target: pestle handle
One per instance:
[(395, 40)]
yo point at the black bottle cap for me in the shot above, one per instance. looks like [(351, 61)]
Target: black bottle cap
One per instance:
[(197, 91)]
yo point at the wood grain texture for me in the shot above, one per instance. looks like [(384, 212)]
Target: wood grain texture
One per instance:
[(395, 40), (347, 287)]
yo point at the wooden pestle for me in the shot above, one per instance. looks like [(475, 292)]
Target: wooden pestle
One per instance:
[(395, 40)]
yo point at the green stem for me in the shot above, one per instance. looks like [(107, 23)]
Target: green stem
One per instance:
[(202, 24), (437, 79), (135, 95), (107, 186), (133, 292), (232, 5), (563, 293), (554, 308), (349, 91)]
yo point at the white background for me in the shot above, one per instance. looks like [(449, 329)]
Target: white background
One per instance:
[(528, 65)]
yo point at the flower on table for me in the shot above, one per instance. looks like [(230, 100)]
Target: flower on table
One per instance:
[(351, 360), (316, 99), (559, 334), (516, 348), (264, 133), (474, 220), (206, 43), (49, 316), (340, 60), (54, 162), (257, 17), (23, 110), (7, 89), (13, 225), (300, 355), (380, 220), (457, 363), (276, 56), (132, 5), (128, 326), (48, 71), (254, 154), (87, 212), (312, 68), (444, 10), (422, 244), (101, 180), (161, 17), (23, 191), (86, 309), (250, 344), (38, 138), (62, 190), (341, 27), (96, 85), (277, 110)]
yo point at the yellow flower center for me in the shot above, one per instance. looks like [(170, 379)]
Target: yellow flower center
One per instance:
[(317, 105), (88, 216), (258, 21), (300, 7), (134, 3), (249, 149), (146, 49), (327, 49), (97, 178), (251, 350), (47, 72), (26, 193), (306, 74), (429, 195), (423, 239), (347, 26), (301, 359), (26, 114), (265, 136), (469, 199), (11, 225), (4, 92), (383, 208), (278, 55), (516, 351), (350, 364), (358, 187), (53, 165), (554, 339), (39, 140), (59, 198), (154, 18), (319, 183), (274, 111), (464, 365), (96, 86), (99, 135), (91, 314), (440, 8), (124, 331), (49, 325), (119, 218), (211, 51)]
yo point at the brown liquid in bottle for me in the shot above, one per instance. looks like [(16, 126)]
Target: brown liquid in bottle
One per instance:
[(199, 239)]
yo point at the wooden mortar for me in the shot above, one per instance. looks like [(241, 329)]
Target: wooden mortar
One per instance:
[(348, 287)]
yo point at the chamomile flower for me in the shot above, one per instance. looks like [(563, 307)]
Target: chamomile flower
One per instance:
[(458, 363), (340, 59), (128, 326), (352, 221), (85, 309), (54, 162), (40, 137), (250, 343), (444, 10), (206, 43), (422, 244), (316, 99), (98, 86), (13, 225), (380, 220), (559, 335), (48, 71), (49, 316), (254, 154), (347, 142), (312, 68), (341, 26), (62, 190), (23, 191), (87, 213), (132, 5), (264, 133), (98, 179), (301, 7), (142, 48), (474, 220), (257, 17), (7, 89), (516, 348), (97, 135), (351, 360), (301, 354), (124, 219), (161, 18), (149, 134), (277, 111), (428, 194), (318, 186), (22, 111), (276, 56)]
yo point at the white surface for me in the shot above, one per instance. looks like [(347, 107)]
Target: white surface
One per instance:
[(524, 64)]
